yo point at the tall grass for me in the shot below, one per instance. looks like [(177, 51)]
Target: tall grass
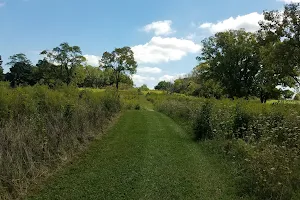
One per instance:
[(41, 128), (263, 139)]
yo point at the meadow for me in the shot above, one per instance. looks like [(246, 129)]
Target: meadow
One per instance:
[(42, 128), (261, 139), (228, 129), (242, 148)]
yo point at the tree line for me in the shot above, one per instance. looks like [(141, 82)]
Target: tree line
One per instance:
[(242, 64), (65, 64)]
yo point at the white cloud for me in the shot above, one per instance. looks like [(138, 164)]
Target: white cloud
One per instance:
[(290, 1), (149, 70), (92, 60), (191, 36), (160, 27), (140, 80), (167, 49), (171, 77), (2, 4), (249, 22)]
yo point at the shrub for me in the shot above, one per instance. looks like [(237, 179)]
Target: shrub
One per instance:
[(202, 125), (41, 128), (241, 122), (263, 139)]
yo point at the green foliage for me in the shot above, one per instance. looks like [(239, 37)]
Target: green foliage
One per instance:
[(21, 71), (47, 73), (67, 58), (262, 139), (121, 61), (18, 58), (241, 64), (64, 65), (233, 60), (21, 74), (288, 94), (163, 85), (241, 122), (40, 128), (144, 87), (279, 37), (210, 89), (202, 125), (134, 99)]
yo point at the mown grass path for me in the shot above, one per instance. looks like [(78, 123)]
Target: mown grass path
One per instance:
[(146, 155)]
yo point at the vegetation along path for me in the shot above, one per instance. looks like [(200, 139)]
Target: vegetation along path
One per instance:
[(146, 155)]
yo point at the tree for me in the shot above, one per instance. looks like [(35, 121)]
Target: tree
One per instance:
[(47, 73), (67, 58), (121, 61), (18, 58), (181, 85), (163, 85), (207, 86), (21, 71), (126, 81), (232, 59), (280, 49), (79, 76), (144, 87), (94, 77), (21, 74)]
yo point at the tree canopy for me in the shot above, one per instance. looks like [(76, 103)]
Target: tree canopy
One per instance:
[(67, 58), (121, 61), (232, 59), (242, 64)]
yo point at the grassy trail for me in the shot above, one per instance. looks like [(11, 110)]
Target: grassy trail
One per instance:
[(146, 155)]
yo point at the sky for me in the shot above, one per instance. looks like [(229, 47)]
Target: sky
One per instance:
[(165, 35)]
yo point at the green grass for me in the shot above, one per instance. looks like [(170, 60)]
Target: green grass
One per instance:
[(146, 155), (93, 89), (283, 101)]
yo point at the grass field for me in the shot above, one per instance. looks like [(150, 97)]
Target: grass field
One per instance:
[(146, 155)]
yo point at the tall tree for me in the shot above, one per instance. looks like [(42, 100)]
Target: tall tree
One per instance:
[(164, 85), (18, 58), (232, 59), (47, 73), (21, 71), (279, 38), (67, 58), (121, 61), (94, 77), (79, 76)]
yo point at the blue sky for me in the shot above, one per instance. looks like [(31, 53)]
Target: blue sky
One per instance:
[(164, 34)]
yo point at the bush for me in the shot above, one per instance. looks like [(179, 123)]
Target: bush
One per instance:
[(202, 125), (41, 128), (263, 139), (241, 122)]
